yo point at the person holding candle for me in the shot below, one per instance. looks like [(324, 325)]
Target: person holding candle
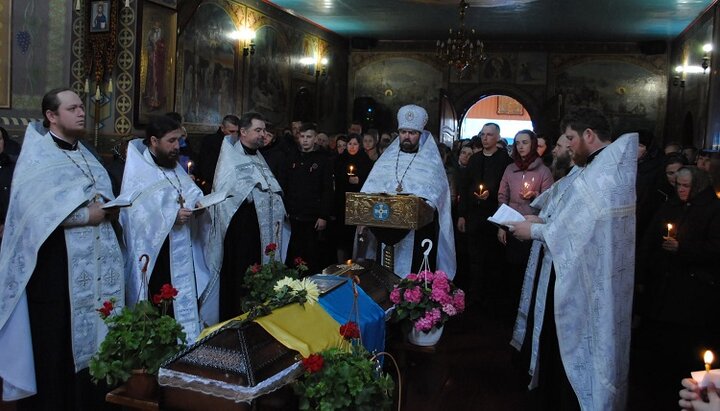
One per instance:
[(681, 277), (521, 183), (351, 170), (485, 168), (691, 396)]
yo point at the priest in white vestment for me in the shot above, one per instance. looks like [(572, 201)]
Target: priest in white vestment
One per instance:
[(412, 165), (160, 224), (60, 260), (244, 224), (584, 300)]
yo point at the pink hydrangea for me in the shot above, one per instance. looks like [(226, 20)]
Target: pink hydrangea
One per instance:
[(459, 300), (412, 277), (413, 295), (426, 276), (440, 295), (423, 324), (395, 296), (449, 309)]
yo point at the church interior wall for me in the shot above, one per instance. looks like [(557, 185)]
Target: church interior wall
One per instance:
[(547, 78)]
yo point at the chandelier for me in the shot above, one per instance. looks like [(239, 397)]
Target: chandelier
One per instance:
[(462, 48)]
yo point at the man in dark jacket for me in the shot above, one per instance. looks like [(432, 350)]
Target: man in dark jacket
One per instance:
[(308, 188), (210, 150), (485, 170)]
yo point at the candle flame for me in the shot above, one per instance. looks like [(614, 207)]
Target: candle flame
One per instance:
[(481, 188), (670, 226), (708, 357), (348, 262)]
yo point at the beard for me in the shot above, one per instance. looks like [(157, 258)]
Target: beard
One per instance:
[(580, 155), (407, 146), (561, 162), (167, 160)]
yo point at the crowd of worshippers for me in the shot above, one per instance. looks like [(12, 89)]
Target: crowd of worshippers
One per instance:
[(288, 187)]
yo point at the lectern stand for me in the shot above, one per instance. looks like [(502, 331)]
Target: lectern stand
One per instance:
[(389, 216)]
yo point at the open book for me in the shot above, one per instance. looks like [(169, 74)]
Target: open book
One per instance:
[(504, 215), (123, 200), (211, 199)]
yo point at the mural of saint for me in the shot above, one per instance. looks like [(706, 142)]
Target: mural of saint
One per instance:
[(154, 93)]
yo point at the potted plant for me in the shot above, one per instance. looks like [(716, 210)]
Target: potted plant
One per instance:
[(337, 379), (139, 339), (259, 280), (426, 301)]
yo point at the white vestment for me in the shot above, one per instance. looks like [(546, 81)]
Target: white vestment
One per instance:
[(423, 175), (245, 177), (150, 220), (591, 241), (547, 202), (48, 186)]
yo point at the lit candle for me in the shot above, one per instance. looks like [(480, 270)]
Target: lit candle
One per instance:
[(669, 227), (348, 262), (351, 169), (190, 164), (480, 189), (708, 357)]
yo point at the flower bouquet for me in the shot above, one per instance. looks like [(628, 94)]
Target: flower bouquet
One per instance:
[(138, 338), (426, 300), (337, 379), (260, 280)]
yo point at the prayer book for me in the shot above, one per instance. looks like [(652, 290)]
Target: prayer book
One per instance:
[(504, 215), (211, 199), (123, 200)]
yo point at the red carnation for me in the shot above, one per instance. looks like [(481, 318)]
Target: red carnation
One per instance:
[(350, 330), (157, 299), (299, 261), (313, 363), (168, 292), (255, 268), (270, 248), (106, 309)]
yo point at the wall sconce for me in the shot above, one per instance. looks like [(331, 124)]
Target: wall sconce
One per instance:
[(678, 78), (320, 65), (707, 48), (246, 36)]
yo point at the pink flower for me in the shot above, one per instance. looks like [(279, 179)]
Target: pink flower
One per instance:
[(395, 295), (413, 295), (426, 276), (255, 268), (440, 296), (449, 309), (411, 277), (459, 300)]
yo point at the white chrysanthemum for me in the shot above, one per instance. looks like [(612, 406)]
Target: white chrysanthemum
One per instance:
[(311, 289), (287, 281)]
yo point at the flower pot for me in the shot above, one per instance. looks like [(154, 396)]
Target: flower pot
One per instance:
[(425, 339), (141, 385)]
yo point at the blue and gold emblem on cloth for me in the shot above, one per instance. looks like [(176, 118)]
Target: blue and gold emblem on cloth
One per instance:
[(381, 211)]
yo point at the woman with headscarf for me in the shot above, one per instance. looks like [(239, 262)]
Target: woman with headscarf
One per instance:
[(351, 170), (681, 277), (523, 180)]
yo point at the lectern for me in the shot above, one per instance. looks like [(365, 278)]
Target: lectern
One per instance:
[(390, 217)]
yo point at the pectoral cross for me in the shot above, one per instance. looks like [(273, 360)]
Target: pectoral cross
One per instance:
[(181, 201), (399, 188)]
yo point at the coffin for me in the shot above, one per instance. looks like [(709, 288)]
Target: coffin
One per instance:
[(227, 370)]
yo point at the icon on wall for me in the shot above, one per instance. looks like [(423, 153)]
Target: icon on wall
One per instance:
[(99, 21)]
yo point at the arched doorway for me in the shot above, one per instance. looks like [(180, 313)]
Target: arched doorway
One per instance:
[(503, 110)]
